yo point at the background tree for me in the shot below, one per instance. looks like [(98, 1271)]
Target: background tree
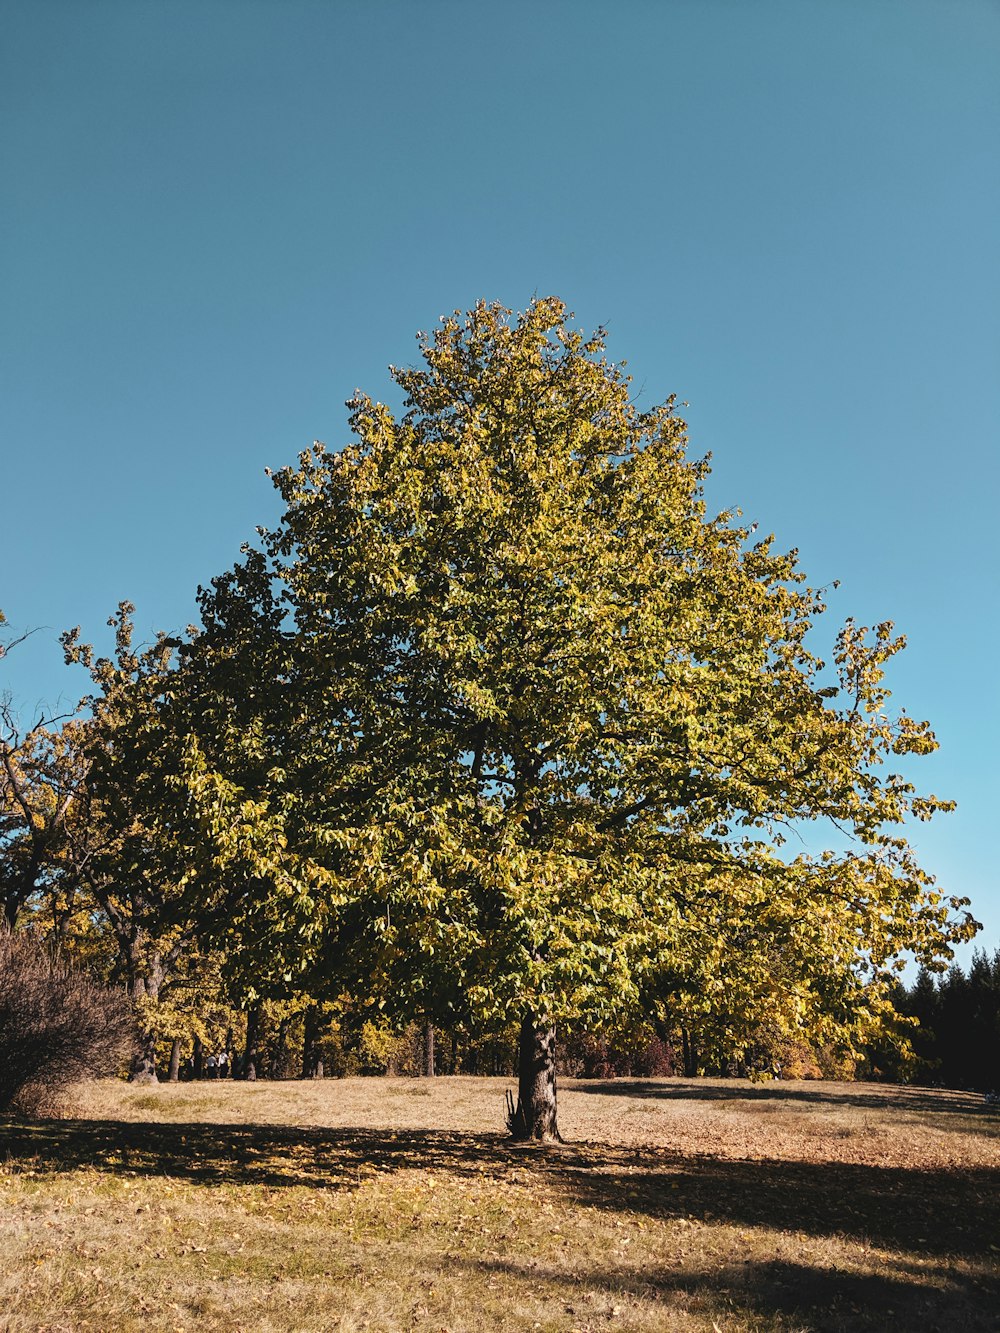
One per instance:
[(41, 773), (957, 1036), (130, 846)]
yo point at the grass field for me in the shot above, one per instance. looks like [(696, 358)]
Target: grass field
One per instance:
[(398, 1204)]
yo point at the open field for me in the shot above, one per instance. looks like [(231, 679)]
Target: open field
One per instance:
[(398, 1204)]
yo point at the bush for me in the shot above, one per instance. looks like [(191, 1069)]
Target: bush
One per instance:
[(56, 1025)]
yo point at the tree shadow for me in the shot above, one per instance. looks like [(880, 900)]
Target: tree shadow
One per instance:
[(865, 1096), (926, 1219), (944, 1212), (818, 1298), (243, 1154)]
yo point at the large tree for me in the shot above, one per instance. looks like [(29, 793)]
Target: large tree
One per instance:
[(547, 721)]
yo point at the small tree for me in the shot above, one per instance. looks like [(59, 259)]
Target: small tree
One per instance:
[(56, 1025)]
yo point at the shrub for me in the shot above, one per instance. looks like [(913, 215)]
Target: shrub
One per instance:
[(56, 1025)]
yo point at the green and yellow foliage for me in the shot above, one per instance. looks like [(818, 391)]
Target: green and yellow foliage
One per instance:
[(501, 723), (538, 723)]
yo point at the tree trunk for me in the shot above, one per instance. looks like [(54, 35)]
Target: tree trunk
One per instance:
[(534, 1117), (276, 1062), (428, 1049), (143, 1066), (253, 1035), (143, 985), (198, 1058), (310, 1038), (312, 1063), (11, 907), (690, 1054), (174, 1068)]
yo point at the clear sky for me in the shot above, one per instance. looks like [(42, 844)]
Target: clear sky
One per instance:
[(218, 218)]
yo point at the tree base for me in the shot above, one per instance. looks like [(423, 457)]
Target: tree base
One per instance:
[(142, 1077), (522, 1130)]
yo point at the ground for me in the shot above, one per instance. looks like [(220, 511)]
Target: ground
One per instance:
[(399, 1204)]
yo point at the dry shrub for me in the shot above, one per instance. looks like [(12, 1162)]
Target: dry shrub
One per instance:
[(56, 1026)]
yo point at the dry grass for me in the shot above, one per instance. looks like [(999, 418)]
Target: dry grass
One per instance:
[(398, 1204)]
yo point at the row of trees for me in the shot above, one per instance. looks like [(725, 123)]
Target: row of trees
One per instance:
[(956, 1038), (498, 728)]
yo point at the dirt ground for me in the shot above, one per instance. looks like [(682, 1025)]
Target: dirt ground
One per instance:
[(703, 1206), (915, 1128)]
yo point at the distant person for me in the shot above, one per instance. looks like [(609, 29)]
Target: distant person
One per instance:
[(223, 1064), (211, 1067)]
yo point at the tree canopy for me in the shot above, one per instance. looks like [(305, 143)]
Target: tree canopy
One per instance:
[(514, 725)]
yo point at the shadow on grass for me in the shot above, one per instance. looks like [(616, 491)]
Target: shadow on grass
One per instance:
[(945, 1212), (814, 1297), (926, 1219), (939, 1102)]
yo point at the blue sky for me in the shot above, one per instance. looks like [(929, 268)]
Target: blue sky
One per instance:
[(218, 219)]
